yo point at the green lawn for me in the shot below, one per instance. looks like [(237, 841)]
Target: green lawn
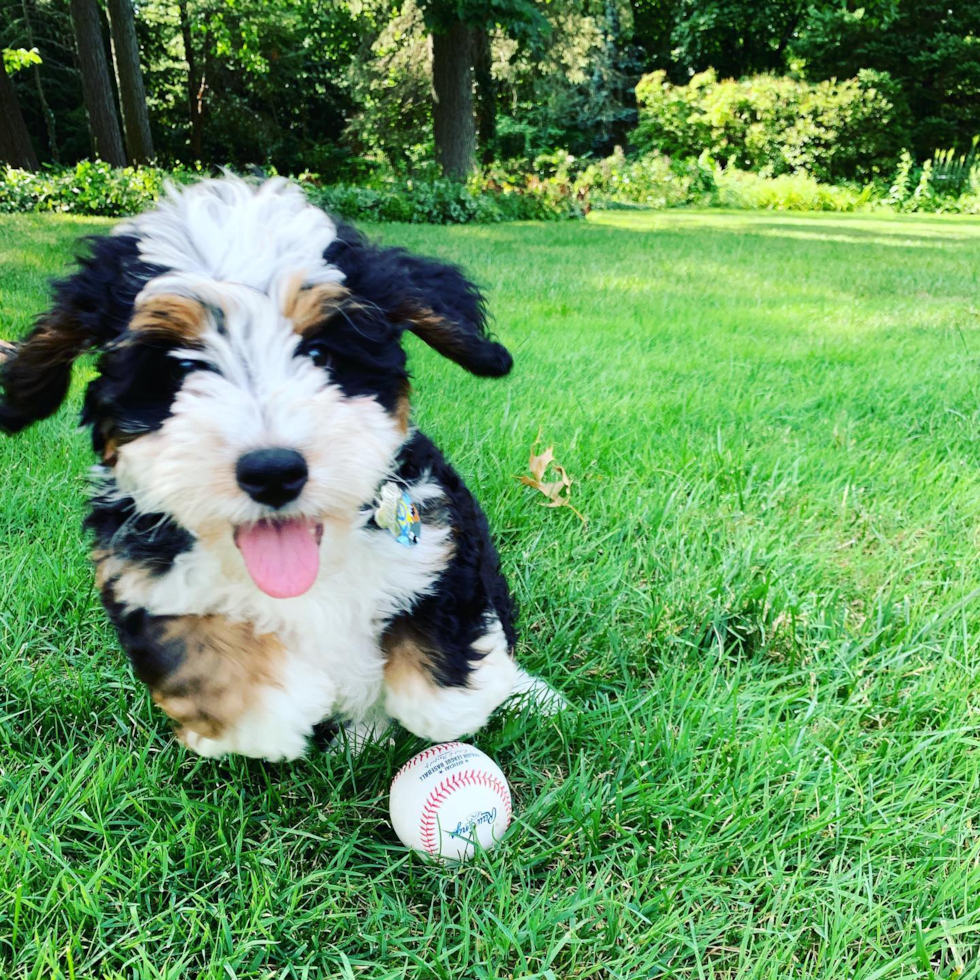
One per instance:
[(770, 627)]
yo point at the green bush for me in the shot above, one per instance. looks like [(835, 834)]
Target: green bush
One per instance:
[(947, 183), (97, 188), (482, 200), (834, 130), (652, 180), (787, 192), (86, 188)]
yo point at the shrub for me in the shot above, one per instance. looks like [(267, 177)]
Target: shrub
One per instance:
[(86, 188), (946, 183), (482, 200), (652, 181), (96, 188), (834, 130), (787, 192)]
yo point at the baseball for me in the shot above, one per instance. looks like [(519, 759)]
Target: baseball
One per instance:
[(448, 797)]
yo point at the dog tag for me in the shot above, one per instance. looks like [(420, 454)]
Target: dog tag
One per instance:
[(398, 515)]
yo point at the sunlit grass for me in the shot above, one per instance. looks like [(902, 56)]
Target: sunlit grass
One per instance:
[(769, 626)]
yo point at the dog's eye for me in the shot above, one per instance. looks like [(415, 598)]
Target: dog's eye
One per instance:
[(317, 353), (188, 364)]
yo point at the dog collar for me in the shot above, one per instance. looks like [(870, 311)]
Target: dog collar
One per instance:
[(398, 515)]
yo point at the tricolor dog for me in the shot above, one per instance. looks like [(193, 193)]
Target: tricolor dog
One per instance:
[(275, 543)]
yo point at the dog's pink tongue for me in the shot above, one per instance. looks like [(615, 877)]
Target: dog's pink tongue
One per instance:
[(282, 557)]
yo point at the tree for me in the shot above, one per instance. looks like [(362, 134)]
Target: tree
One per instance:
[(736, 37), (196, 83), (96, 84), (452, 23), (49, 120), (486, 93), (928, 47), (653, 25), (15, 141), (129, 80), (453, 126)]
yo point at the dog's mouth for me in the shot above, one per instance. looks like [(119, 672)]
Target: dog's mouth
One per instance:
[(282, 556)]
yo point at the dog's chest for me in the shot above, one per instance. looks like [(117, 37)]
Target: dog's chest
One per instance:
[(331, 634)]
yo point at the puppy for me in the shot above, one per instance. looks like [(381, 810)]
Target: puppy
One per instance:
[(275, 543)]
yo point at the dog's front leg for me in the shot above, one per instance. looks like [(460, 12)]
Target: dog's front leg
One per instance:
[(228, 688), (418, 696)]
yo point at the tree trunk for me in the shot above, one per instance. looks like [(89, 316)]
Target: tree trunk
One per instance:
[(96, 84), (486, 94), (452, 110), (15, 141), (129, 81), (49, 121), (195, 86)]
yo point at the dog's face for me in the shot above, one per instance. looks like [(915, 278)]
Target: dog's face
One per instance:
[(251, 378)]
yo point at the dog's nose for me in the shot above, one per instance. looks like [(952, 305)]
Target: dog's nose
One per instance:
[(272, 476)]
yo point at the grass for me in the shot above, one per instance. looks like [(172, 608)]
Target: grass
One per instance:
[(770, 627)]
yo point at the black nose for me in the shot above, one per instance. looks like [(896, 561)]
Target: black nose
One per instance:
[(272, 476)]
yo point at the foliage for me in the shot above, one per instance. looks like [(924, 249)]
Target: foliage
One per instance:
[(97, 188), (16, 59), (846, 130), (518, 18), (945, 183), (577, 92), (302, 84), (735, 37), (392, 89), (787, 192), (948, 182), (930, 48), (652, 180), (447, 202), (86, 188)]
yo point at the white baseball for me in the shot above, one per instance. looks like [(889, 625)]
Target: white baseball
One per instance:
[(446, 798)]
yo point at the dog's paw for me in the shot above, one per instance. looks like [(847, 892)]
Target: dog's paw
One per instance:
[(210, 748), (284, 748), (531, 691)]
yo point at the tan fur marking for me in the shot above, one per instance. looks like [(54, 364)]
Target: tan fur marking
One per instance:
[(291, 293), (171, 317), (110, 451), (99, 558), (225, 665), (403, 409), (439, 333), (408, 663), (308, 308)]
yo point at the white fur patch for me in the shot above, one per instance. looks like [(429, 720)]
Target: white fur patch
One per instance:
[(229, 230)]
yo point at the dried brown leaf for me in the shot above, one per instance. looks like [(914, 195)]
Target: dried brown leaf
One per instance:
[(557, 491)]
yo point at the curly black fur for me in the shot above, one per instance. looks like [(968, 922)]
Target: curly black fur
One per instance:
[(406, 285), (470, 588), (151, 540)]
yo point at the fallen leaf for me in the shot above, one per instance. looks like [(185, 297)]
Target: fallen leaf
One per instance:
[(557, 491)]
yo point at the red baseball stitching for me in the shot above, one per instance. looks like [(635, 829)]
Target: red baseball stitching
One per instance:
[(425, 755), (442, 792)]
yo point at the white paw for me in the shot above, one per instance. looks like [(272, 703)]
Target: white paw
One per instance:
[(355, 736), (278, 747), (210, 748), (529, 691)]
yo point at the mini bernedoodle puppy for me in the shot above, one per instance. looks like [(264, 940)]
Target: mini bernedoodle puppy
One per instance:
[(275, 543)]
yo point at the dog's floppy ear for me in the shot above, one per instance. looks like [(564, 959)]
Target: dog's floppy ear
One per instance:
[(90, 308), (432, 299), (34, 377)]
